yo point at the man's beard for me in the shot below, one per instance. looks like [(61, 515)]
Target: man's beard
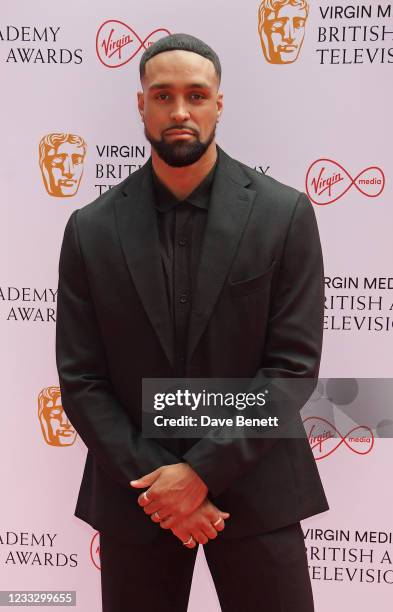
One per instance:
[(180, 153)]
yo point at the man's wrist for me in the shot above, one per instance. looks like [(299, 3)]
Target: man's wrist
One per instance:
[(197, 469)]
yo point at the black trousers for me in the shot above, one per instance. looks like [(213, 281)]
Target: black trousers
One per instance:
[(262, 573)]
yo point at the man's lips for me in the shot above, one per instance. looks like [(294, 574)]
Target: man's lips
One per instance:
[(179, 132)]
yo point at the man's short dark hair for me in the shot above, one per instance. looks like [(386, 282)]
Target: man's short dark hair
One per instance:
[(182, 42)]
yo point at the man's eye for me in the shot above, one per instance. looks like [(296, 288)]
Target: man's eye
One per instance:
[(162, 96), (196, 96)]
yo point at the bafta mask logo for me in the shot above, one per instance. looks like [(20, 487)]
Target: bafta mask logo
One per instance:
[(56, 428), (61, 159), (281, 27)]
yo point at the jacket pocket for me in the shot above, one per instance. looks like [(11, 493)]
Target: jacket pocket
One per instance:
[(251, 285)]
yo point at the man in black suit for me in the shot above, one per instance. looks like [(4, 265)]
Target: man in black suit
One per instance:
[(194, 266)]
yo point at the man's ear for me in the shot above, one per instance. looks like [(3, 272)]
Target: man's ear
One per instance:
[(220, 104), (141, 103)]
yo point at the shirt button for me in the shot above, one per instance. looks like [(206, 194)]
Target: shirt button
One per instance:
[(183, 299), (182, 242)]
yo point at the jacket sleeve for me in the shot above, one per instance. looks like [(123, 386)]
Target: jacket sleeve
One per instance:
[(86, 391), (292, 351)]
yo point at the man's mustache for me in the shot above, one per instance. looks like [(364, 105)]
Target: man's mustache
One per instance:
[(181, 127)]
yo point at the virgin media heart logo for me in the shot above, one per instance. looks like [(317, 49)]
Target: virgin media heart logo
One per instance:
[(327, 181), (325, 438), (95, 550), (117, 43)]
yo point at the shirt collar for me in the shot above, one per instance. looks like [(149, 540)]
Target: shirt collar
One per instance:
[(166, 200)]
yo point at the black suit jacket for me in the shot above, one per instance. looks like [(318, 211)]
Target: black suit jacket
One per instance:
[(257, 312)]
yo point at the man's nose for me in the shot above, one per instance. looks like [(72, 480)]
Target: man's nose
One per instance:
[(180, 112), (68, 167), (289, 34)]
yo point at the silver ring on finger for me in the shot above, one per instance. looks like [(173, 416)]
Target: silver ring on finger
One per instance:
[(157, 515), (217, 522), (190, 539), (145, 496)]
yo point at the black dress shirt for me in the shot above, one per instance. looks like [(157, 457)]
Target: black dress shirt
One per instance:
[(181, 225)]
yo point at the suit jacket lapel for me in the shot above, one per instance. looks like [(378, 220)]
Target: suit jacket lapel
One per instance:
[(229, 209), (138, 231)]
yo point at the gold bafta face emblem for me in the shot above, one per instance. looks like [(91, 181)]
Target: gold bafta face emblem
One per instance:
[(61, 159), (281, 26), (56, 428)]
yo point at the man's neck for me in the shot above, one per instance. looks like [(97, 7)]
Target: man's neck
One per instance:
[(182, 181)]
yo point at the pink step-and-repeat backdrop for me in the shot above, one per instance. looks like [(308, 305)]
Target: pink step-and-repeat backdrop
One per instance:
[(308, 100)]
